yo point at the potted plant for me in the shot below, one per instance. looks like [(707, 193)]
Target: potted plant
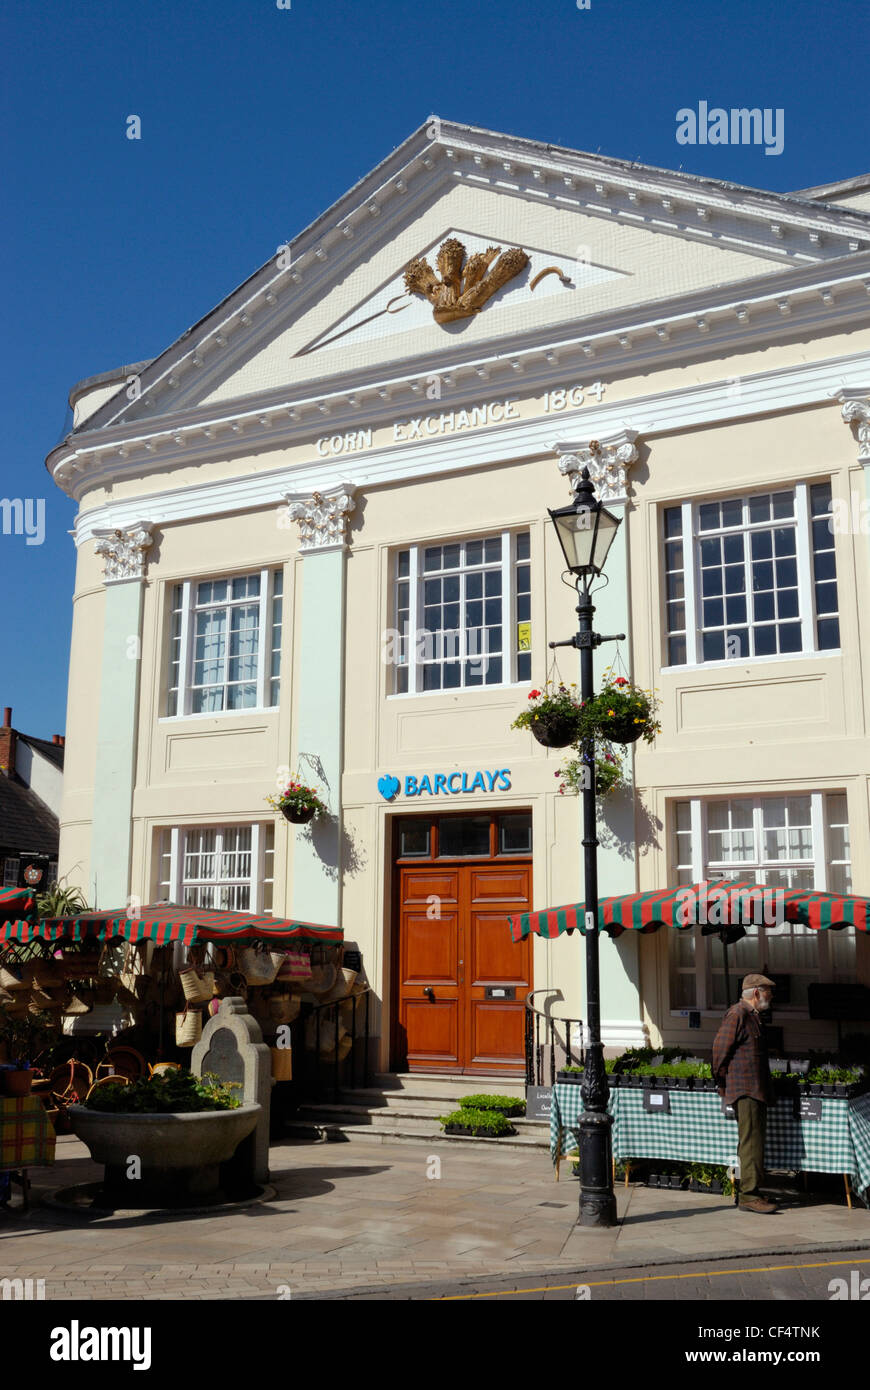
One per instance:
[(505, 1105), (24, 1038), (608, 775), (297, 802), (478, 1124), (620, 713), (181, 1126), (551, 714), (571, 1075)]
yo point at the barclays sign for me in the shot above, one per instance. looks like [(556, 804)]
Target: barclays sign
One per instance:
[(444, 783)]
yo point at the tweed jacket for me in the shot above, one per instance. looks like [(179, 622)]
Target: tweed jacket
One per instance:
[(740, 1065)]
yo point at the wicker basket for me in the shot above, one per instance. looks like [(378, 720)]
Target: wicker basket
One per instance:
[(322, 980), (295, 965), (258, 967), (10, 980), (198, 989), (283, 1008), (188, 1028), (282, 1063)]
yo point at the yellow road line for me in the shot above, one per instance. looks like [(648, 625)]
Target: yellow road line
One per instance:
[(645, 1279)]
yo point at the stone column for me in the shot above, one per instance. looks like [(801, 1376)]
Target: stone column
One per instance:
[(124, 552), (315, 885), (608, 460)]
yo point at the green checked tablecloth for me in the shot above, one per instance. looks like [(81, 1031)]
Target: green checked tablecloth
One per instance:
[(696, 1131)]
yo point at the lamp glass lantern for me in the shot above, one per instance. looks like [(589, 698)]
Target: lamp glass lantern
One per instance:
[(586, 529)]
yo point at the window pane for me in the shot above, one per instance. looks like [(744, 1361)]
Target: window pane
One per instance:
[(460, 836), (414, 838), (515, 833)]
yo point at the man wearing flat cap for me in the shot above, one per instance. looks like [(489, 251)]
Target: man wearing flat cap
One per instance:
[(742, 1075)]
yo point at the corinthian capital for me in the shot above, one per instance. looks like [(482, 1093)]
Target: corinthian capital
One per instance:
[(123, 550), (608, 460), (322, 516), (855, 410)]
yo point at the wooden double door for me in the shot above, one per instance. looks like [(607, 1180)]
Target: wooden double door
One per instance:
[(462, 980)]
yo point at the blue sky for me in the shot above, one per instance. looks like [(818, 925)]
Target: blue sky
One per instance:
[(255, 119)]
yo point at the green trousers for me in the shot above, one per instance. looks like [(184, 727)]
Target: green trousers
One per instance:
[(751, 1125)]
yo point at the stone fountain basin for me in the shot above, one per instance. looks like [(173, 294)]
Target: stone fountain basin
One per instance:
[(164, 1142)]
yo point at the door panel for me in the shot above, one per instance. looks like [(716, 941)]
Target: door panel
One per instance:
[(458, 946)]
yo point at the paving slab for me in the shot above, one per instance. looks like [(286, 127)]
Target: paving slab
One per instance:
[(341, 1221)]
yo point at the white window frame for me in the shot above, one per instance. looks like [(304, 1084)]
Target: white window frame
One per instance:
[(177, 834), (692, 578), (264, 647), (413, 578), (704, 944), (11, 882)]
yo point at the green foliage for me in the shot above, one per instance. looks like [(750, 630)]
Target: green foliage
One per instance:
[(59, 900), (507, 1105), (608, 775), (617, 701), (300, 795), (176, 1092), (830, 1075), (556, 699), (494, 1122), (25, 1037), (575, 1069)]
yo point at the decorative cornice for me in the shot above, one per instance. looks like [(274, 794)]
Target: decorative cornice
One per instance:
[(123, 549), (689, 407), (855, 409), (608, 461), (638, 339), (322, 516)]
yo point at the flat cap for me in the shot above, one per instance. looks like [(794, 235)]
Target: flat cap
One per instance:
[(757, 982)]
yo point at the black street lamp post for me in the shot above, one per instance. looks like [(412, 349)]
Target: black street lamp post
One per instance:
[(586, 531)]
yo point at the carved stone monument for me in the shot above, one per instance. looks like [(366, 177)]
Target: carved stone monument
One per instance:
[(232, 1047)]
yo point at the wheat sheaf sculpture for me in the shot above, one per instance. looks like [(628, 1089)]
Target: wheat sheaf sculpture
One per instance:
[(465, 284)]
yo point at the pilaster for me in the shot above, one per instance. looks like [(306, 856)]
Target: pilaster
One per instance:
[(315, 883), (125, 554)]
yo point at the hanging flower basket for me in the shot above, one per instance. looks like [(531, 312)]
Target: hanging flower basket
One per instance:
[(620, 713), (608, 775), (297, 802), (551, 714)]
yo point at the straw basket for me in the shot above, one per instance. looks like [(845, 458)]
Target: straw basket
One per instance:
[(322, 980), (78, 1003), (198, 989), (283, 1008), (13, 980), (188, 1028), (295, 965), (344, 983), (282, 1063), (258, 967)]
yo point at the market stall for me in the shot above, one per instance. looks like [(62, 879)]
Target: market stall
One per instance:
[(694, 1127), (686, 1124), (128, 992)]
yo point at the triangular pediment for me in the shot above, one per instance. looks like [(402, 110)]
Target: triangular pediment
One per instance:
[(616, 239)]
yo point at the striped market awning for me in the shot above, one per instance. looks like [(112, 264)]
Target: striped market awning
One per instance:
[(16, 902), (165, 922), (714, 902)]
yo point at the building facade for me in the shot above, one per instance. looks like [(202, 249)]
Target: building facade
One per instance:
[(31, 791), (312, 536)]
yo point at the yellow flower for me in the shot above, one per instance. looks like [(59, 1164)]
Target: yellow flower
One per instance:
[(610, 711)]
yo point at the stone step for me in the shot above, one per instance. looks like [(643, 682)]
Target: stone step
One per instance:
[(419, 1100), (330, 1131), (414, 1117), (448, 1084)]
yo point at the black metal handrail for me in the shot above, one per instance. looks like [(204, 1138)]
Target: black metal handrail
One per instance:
[(535, 1064), (312, 1067)]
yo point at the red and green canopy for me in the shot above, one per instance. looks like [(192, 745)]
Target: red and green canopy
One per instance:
[(717, 902), (165, 922), (16, 902)]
